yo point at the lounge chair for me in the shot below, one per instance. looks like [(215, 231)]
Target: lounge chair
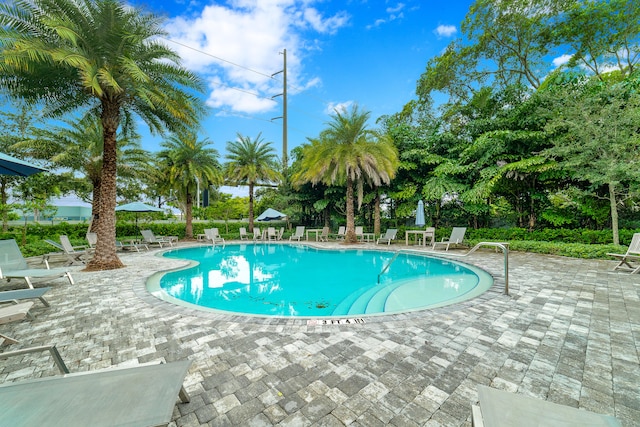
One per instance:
[(299, 234), (281, 233), (13, 313), (324, 235), (213, 235), (632, 254), (74, 254), (257, 235), (20, 294), (14, 266), (243, 233), (341, 232), (148, 238), (359, 232), (457, 236), (92, 239), (143, 395), (503, 409), (272, 234), (388, 236)]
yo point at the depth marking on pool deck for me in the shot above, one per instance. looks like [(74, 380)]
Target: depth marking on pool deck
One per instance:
[(353, 321)]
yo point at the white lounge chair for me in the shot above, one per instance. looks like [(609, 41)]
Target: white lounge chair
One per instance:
[(92, 239), (14, 266), (74, 254), (12, 313), (257, 235), (503, 409), (20, 294), (359, 232), (281, 233), (388, 236), (632, 254), (299, 234), (148, 238), (341, 232), (456, 238), (143, 395), (213, 235)]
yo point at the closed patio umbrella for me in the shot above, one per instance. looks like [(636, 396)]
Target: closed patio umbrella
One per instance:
[(420, 222), (11, 166), (271, 215)]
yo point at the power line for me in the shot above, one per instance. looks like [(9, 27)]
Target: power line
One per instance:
[(217, 57)]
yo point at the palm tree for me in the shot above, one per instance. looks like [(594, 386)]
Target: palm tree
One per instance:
[(101, 54), (347, 153), (79, 146), (189, 163), (251, 163)]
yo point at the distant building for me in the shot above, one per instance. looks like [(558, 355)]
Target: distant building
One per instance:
[(66, 209)]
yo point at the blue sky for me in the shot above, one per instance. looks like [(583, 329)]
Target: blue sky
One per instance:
[(338, 53)]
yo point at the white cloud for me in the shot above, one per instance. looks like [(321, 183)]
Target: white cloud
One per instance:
[(561, 60), (393, 13), (445, 30), (340, 107), (238, 45)]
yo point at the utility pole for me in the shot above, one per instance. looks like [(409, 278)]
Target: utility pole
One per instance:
[(284, 109)]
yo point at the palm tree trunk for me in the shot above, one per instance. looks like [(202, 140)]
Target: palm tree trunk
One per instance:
[(350, 235), (376, 214), (189, 213), (95, 206), (105, 257), (251, 207)]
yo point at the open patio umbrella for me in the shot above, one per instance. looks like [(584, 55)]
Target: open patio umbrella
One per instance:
[(16, 167), (137, 207), (271, 215), (420, 214)]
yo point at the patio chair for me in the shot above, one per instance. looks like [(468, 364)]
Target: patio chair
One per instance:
[(502, 409), (342, 230), (13, 313), (457, 236), (143, 395), (388, 236), (359, 232), (324, 235), (14, 266), (299, 234), (257, 235), (148, 238), (632, 254), (213, 235), (20, 294), (243, 233), (272, 234), (281, 233)]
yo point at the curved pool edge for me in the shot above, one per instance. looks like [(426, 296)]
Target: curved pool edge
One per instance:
[(152, 286)]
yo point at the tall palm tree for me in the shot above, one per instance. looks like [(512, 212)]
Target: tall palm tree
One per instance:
[(251, 162), (102, 54), (347, 153), (79, 146), (189, 163)]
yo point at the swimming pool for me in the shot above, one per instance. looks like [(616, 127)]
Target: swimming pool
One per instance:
[(301, 281)]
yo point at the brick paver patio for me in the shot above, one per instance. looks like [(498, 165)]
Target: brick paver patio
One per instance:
[(568, 333)]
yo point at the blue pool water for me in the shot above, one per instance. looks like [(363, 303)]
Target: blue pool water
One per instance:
[(300, 281)]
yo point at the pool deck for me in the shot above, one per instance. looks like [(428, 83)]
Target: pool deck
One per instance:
[(569, 333)]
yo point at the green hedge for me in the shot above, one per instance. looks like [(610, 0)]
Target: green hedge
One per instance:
[(579, 243)]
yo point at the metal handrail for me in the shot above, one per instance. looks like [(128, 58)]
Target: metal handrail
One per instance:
[(505, 251), (386, 267)]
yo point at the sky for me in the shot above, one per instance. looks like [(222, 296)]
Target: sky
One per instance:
[(339, 53)]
